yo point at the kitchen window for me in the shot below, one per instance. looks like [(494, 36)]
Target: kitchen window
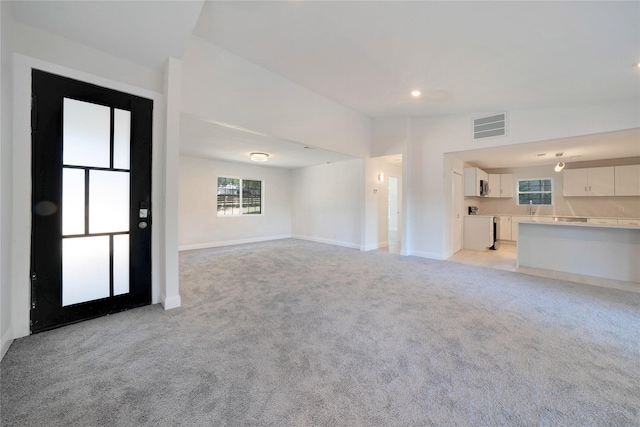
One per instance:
[(537, 191), (238, 196)]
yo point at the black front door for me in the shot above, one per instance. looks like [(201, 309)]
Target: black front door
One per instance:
[(91, 193)]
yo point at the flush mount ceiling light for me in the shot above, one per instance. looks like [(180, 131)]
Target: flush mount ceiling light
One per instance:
[(259, 157), (559, 166), (416, 93)]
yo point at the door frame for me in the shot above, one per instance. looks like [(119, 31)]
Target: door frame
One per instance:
[(50, 92), (460, 197), (398, 180), (21, 209)]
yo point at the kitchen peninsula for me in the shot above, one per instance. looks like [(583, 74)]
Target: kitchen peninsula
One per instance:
[(599, 254)]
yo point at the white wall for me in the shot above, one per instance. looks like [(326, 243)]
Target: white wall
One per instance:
[(389, 135), (327, 203), (427, 188), (6, 174), (199, 225), (94, 67), (57, 50), (220, 86), (170, 292)]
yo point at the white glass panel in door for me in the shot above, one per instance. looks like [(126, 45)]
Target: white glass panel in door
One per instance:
[(85, 269), (86, 134), (121, 138), (108, 201), (72, 201), (120, 264)]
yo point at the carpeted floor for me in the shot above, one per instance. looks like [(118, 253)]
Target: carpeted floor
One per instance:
[(295, 333)]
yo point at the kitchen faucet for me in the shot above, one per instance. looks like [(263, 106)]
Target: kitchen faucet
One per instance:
[(530, 207)]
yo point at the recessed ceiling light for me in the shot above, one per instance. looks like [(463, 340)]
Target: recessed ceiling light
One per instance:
[(416, 93), (540, 154), (259, 157)]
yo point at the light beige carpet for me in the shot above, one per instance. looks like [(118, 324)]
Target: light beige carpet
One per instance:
[(295, 333)]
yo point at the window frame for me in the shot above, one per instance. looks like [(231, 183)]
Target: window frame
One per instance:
[(518, 192), (240, 196)]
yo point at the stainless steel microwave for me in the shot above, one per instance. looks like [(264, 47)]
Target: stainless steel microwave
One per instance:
[(484, 188)]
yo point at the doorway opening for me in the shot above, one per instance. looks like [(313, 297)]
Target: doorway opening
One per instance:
[(394, 215)]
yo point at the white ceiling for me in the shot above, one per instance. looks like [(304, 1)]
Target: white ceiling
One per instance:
[(464, 56), (143, 32), (610, 145), (203, 138), (476, 56)]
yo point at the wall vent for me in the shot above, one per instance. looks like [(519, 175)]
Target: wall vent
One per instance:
[(489, 126)]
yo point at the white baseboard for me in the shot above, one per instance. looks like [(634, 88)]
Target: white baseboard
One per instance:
[(7, 340), (232, 242), (374, 246), (430, 255), (328, 241), (171, 302)]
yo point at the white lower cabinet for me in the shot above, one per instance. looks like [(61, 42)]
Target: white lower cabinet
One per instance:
[(505, 227), (602, 221), (629, 222), (478, 232)]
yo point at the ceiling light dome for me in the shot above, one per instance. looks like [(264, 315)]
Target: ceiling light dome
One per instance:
[(259, 157), (416, 93)]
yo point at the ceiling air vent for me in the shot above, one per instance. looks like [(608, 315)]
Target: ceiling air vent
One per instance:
[(486, 127)]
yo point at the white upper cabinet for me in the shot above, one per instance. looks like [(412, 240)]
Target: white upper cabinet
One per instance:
[(500, 185), (589, 182), (506, 185), (472, 178), (627, 180), (576, 182), (494, 185), (602, 181)]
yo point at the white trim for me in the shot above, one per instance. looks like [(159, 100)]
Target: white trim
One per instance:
[(21, 247), (171, 302), (241, 194), (430, 255), (328, 241), (232, 242), (7, 340), (374, 246), (553, 184)]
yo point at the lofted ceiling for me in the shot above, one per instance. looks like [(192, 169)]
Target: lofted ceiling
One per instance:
[(464, 56), (476, 56)]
